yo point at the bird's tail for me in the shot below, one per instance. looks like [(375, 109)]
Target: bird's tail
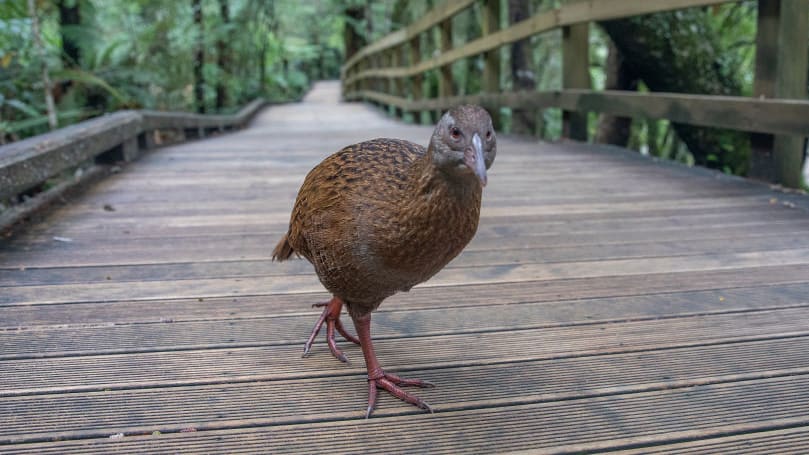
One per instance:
[(283, 250)]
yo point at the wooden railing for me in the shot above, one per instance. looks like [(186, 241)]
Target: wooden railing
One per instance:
[(94, 146), (391, 71)]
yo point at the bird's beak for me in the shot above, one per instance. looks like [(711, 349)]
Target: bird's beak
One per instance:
[(473, 157)]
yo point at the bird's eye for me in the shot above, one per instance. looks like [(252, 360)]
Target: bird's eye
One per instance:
[(455, 132), (488, 135)]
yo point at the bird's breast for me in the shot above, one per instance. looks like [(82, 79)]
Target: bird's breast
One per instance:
[(433, 229)]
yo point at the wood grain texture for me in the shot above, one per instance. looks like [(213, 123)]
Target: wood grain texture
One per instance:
[(786, 116), (608, 303), (570, 14)]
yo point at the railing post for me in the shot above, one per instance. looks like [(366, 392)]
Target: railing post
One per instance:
[(491, 67), (376, 82), (416, 80), (363, 84), (523, 121), (445, 83), (353, 87), (385, 84), (395, 83), (356, 86), (780, 73), (575, 74), (400, 82)]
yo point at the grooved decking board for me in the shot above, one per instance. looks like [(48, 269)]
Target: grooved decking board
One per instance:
[(265, 267), (293, 329), (608, 302), (567, 426), (258, 247), (303, 283), (88, 414), (77, 252), (776, 442), (735, 286), (220, 364), (225, 224), (216, 227)]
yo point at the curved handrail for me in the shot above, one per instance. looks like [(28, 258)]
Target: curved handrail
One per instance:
[(119, 136)]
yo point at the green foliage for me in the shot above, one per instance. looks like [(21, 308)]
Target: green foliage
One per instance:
[(140, 54)]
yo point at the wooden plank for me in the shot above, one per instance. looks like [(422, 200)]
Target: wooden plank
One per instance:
[(480, 253), (253, 247), (787, 441), (157, 215), (252, 225), (740, 113), (136, 227), (120, 338), (307, 283), (683, 292), (562, 260), (578, 425), (492, 235), (212, 364), (100, 414)]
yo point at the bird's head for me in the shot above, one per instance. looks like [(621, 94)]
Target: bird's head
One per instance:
[(464, 142)]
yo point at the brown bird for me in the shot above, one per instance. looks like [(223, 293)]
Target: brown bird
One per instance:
[(381, 216)]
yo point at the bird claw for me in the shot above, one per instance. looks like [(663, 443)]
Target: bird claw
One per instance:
[(390, 383), (331, 317)]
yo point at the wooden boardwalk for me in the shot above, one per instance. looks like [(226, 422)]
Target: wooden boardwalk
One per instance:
[(608, 302)]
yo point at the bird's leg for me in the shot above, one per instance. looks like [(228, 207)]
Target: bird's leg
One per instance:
[(377, 378), (331, 316)]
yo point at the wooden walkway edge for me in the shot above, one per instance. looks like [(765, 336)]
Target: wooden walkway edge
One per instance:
[(609, 303)]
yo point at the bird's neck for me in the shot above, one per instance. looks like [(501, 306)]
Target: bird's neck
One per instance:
[(429, 181)]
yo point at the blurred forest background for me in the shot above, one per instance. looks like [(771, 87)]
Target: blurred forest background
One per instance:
[(214, 55)]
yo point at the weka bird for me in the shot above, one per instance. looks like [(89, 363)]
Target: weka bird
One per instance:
[(381, 216)]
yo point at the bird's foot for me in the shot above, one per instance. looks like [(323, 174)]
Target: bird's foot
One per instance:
[(331, 317), (390, 382)]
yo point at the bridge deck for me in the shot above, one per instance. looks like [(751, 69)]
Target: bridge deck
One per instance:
[(608, 302)]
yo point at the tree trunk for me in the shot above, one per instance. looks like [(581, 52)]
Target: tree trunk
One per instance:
[(353, 39), (272, 27), (222, 57), (400, 15), (523, 121), (680, 52), (612, 129), (262, 68), (46, 77), (69, 17), (199, 57)]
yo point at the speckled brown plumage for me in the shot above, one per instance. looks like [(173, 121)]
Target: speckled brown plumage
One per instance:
[(372, 220), (383, 215)]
